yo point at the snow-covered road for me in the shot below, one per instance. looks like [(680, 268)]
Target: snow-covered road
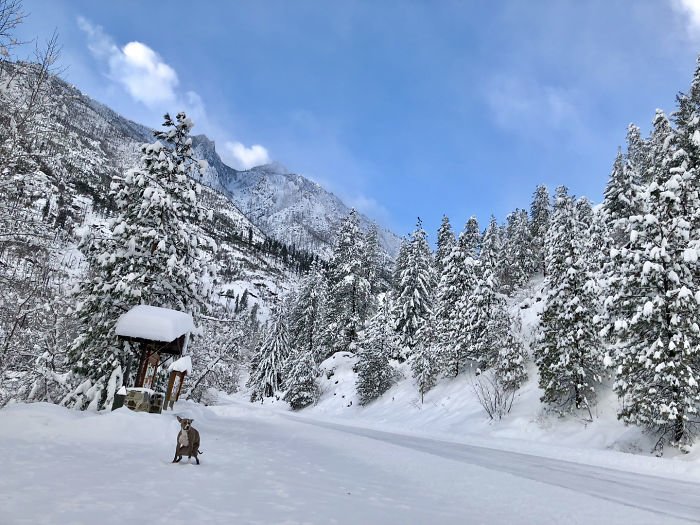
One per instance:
[(664, 496), (263, 466)]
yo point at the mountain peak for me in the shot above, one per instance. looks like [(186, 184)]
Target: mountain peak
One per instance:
[(271, 167)]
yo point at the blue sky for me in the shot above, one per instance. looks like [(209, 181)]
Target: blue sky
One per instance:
[(401, 108)]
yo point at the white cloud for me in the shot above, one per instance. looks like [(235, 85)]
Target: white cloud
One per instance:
[(523, 105), (368, 206), (142, 72), (137, 67), (690, 10), (241, 157)]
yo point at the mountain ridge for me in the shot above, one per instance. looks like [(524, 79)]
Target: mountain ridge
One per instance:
[(285, 205)]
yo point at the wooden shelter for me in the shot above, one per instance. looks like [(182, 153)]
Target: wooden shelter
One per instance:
[(161, 334)]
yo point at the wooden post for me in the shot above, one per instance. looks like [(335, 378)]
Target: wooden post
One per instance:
[(175, 382), (148, 366)]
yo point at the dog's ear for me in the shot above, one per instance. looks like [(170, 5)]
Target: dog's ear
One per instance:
[(191, 420), (179, 419)]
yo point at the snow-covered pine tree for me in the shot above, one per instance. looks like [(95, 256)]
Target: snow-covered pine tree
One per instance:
[(349, 298), (153, 252), (470, 238), (569, 351), (400, 265), (491, 247), (267, 365), (509, 353), (457, 281), (307, 315), (687, 120), (539, 224), (596, 252), (477, 309), (517, 259), (414, 303), (637, 156), (623, 199), (301, 388), (445, 242), (423, 359), (377, 344), (371, 262), (583, 210), (653, 311), (620, 200)]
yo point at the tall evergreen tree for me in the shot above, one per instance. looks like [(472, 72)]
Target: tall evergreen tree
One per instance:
[(491, 246), (400, 264), (267, 365), (414, 304), (620, 200), (653, 309), (308, 313), (687, 120), (637, 156), (371, 262), (508, 351), (300, 385), (424, 361), (517, 260), (539, 224), (153, 251), (349, 297), (457, 281), (445, 242), (377, 344), (569, 351), (477, 309), (470, 238)]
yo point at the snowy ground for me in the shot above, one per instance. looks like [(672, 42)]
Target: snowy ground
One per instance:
[(269, 466)]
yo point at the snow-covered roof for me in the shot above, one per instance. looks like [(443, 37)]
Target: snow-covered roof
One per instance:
[(184, 364), (154, 323)]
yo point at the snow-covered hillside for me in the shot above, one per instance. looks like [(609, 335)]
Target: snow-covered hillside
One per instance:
[(98, 143), (294, 209), (90, 143), (262, 466)]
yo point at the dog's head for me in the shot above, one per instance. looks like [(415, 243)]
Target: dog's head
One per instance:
[(185, 423)]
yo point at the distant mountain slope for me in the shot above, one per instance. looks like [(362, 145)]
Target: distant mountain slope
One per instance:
[(89, 144), (285, 206), (293, 208)]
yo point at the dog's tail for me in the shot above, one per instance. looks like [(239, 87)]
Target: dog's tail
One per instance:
[(199, 452)]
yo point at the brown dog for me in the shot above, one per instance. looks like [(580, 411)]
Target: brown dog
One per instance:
[(187, 441)]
